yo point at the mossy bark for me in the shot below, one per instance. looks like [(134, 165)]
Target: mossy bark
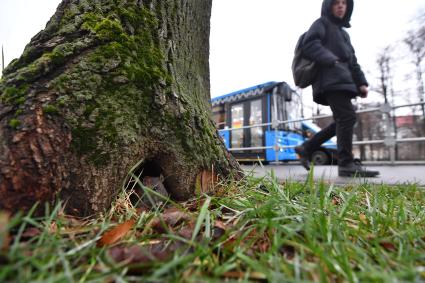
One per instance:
[(107, 84)]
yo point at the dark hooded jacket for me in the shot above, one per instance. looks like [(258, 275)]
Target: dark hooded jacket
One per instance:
[(328, 44)]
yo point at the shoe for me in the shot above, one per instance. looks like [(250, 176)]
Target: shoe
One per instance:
[(355, 169), (304, 156)]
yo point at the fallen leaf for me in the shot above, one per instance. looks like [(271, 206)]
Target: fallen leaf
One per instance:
[(53, 229), (263, 246), (242, 275), (192, 205), (142, 209), (206, 181), (370, 237), (388, 246), (231, 241), (4, 233), (116, 233), (260, 241), (169, 218), (187, 230), (288, 251), (71, 221), (30, 233), (220, 224), (234, 274), (219, 230), (140, 254), (217, 233), (336, 200)]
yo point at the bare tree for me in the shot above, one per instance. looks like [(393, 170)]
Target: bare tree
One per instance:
[(384, 62), (415, 41)]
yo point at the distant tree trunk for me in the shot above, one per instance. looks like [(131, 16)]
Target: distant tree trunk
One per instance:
[(108, 84), (385, 63), (415, 40)]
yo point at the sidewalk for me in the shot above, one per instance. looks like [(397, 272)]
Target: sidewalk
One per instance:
[(391, 175)]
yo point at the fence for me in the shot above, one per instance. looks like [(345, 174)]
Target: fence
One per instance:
[(390, 140)]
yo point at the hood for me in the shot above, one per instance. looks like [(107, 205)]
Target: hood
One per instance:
[(327, 13)]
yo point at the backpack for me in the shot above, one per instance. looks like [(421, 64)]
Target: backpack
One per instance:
[(304, 70)]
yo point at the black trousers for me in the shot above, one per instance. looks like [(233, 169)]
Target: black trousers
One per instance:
[(344, 120)]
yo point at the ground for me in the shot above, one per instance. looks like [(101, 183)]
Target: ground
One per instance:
[(253, 230)]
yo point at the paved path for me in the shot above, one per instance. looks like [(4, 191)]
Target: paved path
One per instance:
[(392, 175)]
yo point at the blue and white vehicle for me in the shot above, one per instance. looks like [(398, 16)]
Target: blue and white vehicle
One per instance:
[(236, 115)]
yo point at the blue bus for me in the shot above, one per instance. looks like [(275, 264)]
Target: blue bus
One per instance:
[(235, 112)]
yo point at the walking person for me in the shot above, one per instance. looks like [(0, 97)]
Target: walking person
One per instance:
[(339, 80)]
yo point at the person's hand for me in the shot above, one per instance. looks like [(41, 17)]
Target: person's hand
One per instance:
[(363, 91)]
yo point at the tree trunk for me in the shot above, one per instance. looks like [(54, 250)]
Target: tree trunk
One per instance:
[(106, 85)]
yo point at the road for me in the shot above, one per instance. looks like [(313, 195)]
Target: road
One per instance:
[(392, 175)]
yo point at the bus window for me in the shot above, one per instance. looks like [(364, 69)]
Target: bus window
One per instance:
[(256, 114), (294, 112), (237, 122), (287, 110), (281, 110)]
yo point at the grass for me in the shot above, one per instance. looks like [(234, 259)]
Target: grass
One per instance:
[(256, 230)]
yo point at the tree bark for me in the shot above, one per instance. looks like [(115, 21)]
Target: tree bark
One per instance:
[(105, 85)]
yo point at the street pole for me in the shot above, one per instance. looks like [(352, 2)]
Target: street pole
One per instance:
[(2, 59), (421, 91)]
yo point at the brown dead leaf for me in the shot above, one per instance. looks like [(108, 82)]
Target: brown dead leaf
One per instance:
[(187, 230), (192, 205), (288, 251), (4, 233), (220, 224), (371, 237), (169, 218), (260, 241), (116, 233), (254, 241), (207, 180), (336, 200), (30, 233), (53, 228), (231, 241), (263, 246), (142, 209), (217, 233), (234, 274), (388, 246), (219, 229), (140, 254), (242, 275)]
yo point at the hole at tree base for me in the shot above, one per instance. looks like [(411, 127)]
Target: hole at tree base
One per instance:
[(147, 185)]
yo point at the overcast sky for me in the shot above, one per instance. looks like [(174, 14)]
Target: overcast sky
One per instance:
[(255, 44), (252, 41)]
